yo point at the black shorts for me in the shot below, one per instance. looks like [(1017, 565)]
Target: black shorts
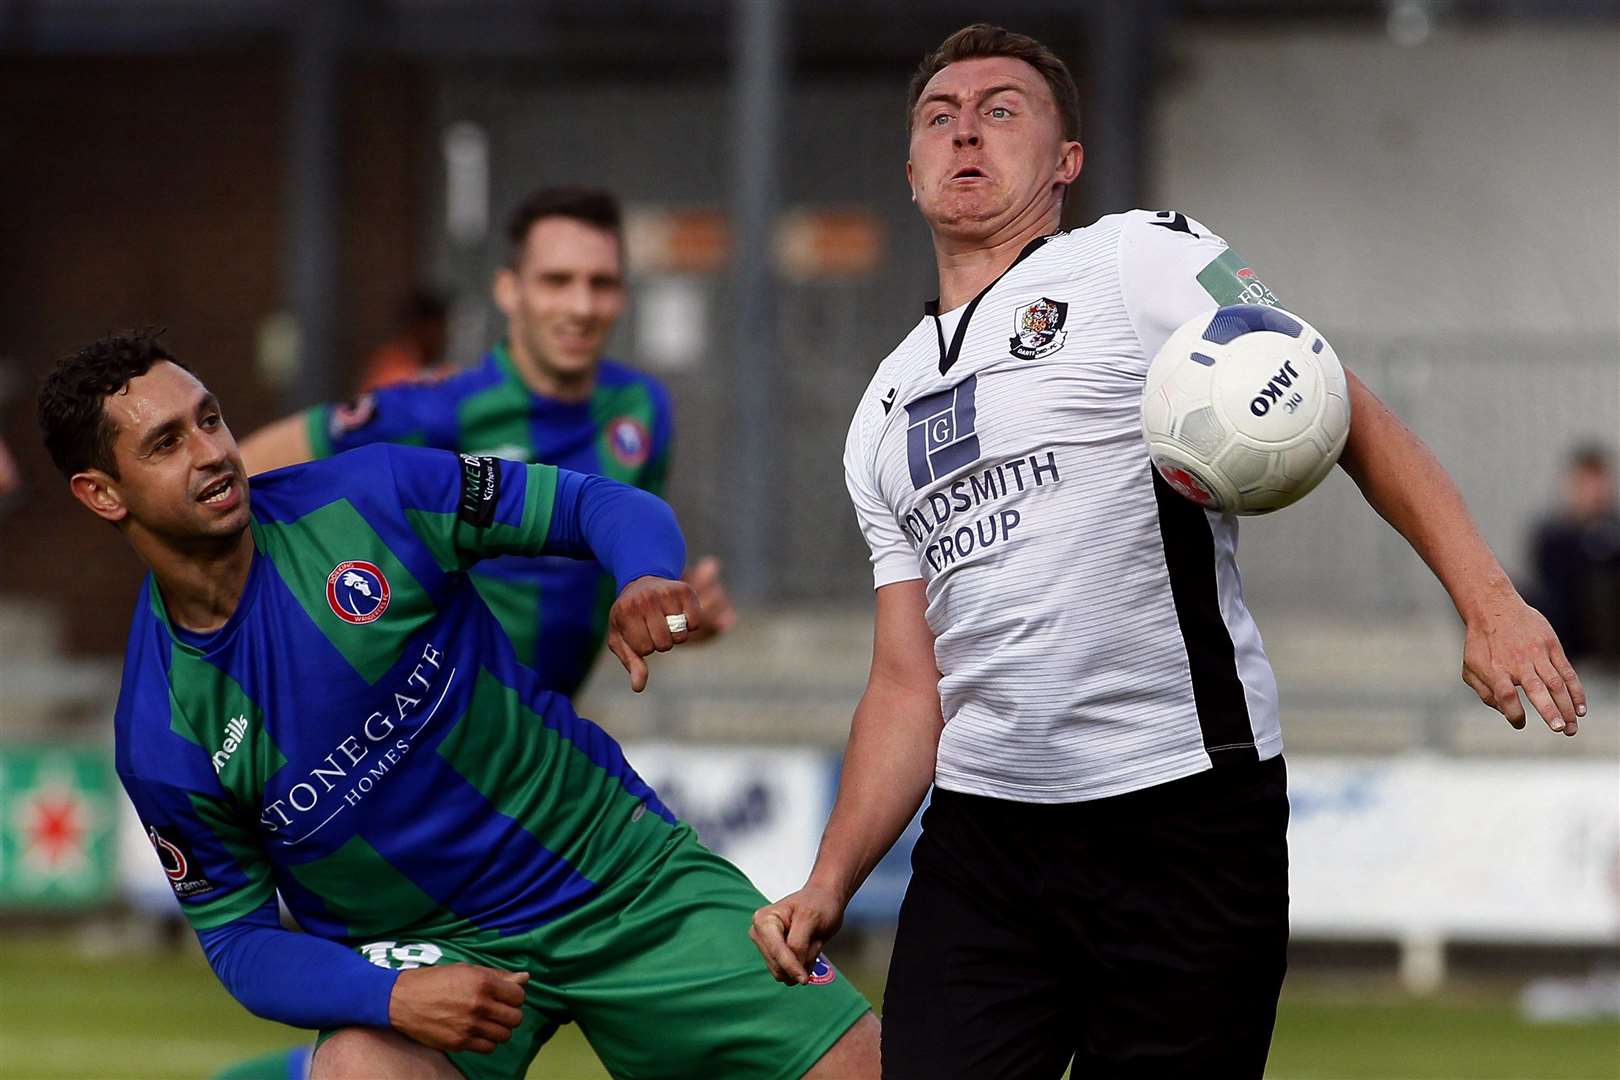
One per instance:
[(1143, 935)]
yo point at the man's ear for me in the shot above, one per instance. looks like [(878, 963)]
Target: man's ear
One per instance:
[(1069, 162), (101, 493), (505, 288), (910, 181)]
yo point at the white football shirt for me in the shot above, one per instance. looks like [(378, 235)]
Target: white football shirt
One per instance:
[(1089, 622)]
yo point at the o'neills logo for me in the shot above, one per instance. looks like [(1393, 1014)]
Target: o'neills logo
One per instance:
[(235, 731)]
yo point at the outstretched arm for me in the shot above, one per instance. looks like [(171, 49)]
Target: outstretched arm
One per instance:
[(888, 767), (277, 444), (1508, 644)]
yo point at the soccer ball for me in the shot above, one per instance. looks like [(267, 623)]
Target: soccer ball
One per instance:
[(1245, 410)]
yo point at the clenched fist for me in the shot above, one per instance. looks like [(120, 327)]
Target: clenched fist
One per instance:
[(455, 1007), (652, 614)]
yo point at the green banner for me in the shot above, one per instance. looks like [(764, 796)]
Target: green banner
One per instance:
[(58, 822)]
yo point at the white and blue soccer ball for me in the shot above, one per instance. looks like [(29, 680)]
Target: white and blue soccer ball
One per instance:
[(1246, 410)]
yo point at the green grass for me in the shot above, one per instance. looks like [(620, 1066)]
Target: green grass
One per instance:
[(70, 1012), (1391, 1036)]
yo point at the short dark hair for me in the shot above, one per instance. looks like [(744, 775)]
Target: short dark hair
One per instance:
[(1592, 455), (593, 206), (74, 424), (982, 40)]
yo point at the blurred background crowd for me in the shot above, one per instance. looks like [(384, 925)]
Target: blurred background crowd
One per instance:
[(310, 197)]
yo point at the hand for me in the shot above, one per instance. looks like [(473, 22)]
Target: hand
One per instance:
[(637, 623), (790, 933), (455, 1007), (718, 614), (1510, 646)]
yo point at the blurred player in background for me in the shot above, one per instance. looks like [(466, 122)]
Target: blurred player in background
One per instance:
[(416, 351), (1061, 643), (544, 394), (1576, 553), (316, 702)]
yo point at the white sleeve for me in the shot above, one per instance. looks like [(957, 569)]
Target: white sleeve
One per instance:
[(892, 557), (1172, 268)]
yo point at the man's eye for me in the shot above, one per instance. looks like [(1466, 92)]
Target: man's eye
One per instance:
[(165, 443), (939, 119), (1000, 112), (211, 420)]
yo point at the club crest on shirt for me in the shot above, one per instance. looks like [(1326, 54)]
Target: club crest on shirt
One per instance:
[(629, 441), (822, 972), (1038, 329), (357, 592)]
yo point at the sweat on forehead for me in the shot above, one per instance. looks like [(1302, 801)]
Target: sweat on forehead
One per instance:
[(163, 394)]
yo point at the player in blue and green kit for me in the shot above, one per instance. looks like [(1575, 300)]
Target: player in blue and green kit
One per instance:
[(544, 394), (317, 702)]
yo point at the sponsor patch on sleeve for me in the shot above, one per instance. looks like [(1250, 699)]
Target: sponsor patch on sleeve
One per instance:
[(184, 874), (1230, 280), (480, 488)]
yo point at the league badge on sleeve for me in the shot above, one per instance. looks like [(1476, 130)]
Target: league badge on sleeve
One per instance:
[(184, 877), (1038, 329), (352, 415), (357, 592)]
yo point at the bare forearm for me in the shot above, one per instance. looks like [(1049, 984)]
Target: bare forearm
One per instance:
[(888, 766), (283, 442), (1403, 480)]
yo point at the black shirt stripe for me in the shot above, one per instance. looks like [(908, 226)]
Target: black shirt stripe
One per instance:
[(1189, 555)]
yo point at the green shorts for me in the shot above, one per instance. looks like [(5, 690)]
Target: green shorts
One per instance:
[(659, 974)]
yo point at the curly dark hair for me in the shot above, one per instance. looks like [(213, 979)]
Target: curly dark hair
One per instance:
[(982, 40), (71, 419), (593, 206)]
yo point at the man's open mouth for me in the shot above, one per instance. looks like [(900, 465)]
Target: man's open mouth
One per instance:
[(217, 491)]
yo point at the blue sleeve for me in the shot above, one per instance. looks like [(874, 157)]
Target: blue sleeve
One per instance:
[(630, 532), (295, 978), (409, 413), (465, 508)]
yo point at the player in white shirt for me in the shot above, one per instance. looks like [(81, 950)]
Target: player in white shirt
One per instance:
[(1061, 643)]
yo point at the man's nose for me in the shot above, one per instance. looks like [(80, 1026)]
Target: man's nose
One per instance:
[(577, 302), (966, 132), (211, 447)]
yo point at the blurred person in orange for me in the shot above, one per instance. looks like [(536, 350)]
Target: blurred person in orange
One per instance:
[(417, 348)]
